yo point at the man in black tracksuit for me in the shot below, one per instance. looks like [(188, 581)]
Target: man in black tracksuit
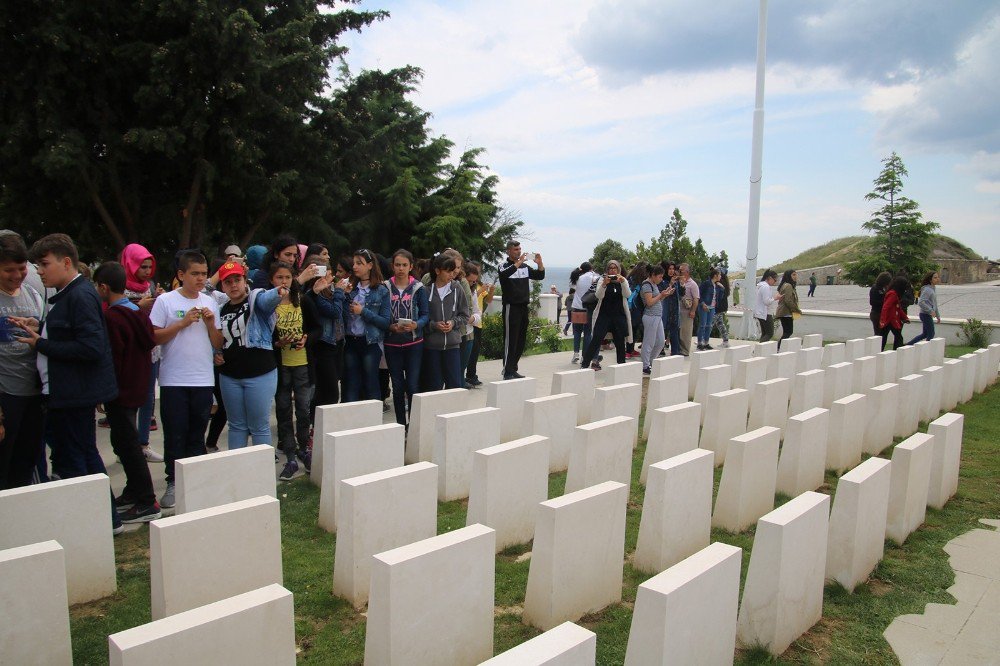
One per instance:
[(516, 292)]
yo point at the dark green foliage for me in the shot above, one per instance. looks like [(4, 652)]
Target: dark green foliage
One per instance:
[(674, 244)]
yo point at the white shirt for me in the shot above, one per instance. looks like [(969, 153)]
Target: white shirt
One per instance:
[(187, 359), (765, 300), (583, 284)]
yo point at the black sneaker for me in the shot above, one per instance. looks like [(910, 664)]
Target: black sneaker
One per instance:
[(509, 376), (306, 458), (647, 371), (517, 375), (289, 472), (141, 514), (123, 503)]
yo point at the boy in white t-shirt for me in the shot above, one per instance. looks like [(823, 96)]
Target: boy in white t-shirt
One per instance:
[(186, 324)]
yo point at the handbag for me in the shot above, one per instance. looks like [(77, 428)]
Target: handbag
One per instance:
[(577, 317), (589, 300)]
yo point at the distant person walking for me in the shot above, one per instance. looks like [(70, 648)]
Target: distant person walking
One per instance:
[(788, 308), (690, 299), (706, 310), (894, 313), (928, 307), (722, 307), (812, 286), (876, 297), (515, 285), (762, 304)]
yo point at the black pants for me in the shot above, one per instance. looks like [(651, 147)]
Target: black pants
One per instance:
[(766, 328), (477, 337), (184, 415), (328, 361), (22, 443), (515, 331), (875, 327), (125, 442), (618, 326), (897, 337), (219, 418), (786, 329)]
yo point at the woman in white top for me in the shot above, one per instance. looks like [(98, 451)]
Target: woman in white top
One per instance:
[(763, 306)]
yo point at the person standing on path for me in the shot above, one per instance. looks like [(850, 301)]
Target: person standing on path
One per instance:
[(894, 312), (928, 307), (706, 309), (762, 304), (514, 283), (652, 316), (812, 286), (611, 314), (788, 308), (690, 299), (876, 297)]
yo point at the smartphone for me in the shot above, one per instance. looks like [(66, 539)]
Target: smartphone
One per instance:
[(403, 320), (529, 256), (321, 271)]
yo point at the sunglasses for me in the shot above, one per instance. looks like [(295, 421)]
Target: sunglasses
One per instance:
[(364, 253)]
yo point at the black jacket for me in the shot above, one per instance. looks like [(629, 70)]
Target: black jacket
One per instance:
[(81, 370), (514, 282)]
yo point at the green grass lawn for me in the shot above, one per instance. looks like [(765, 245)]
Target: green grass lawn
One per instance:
[(329, 631)]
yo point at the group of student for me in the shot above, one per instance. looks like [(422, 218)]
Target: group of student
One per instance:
[(281, 326), (662, 300), (890, 297)]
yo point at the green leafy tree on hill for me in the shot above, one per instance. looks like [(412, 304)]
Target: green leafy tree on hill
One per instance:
[(902, 240), (674, 244)]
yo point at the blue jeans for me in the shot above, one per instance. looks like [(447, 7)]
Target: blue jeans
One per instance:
[(248, 406), (928, 332), (672, 331), (146, 411), (361, 369), (293, 429), (705, 318), (466, 349), (443, 367), (404, 368)]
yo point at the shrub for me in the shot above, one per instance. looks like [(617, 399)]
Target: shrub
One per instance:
[(551, 340), (491, 343), (976, 333)]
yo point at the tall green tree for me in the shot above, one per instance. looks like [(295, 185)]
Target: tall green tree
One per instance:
[(674, 244), (901, 239), (611, 249)]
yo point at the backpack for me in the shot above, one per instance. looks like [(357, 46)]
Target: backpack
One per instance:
[(636, 304)]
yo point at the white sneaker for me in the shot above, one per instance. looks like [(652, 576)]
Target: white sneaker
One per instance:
[(576, 358), (725, 344), (151, 455)]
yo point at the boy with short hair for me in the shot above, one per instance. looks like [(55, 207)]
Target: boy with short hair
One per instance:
[(131, 337), (186, 325)]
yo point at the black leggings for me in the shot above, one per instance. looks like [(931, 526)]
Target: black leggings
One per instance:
[(328, 365), (618, 326), (786, 329), (766, 328), (897, 337)]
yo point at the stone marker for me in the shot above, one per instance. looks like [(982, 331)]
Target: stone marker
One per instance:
[(951, 388), (810, 358), (746, 490), (602, 451), (937, 350), (749, 372), (345, 416), (431, 601), (982, 370), (35, 628), (838, 382), (946, 458), (883, 401), (807, 391), (508, 482), (351, 453), (764, 349), (566, 645), (865, 369), (423, 419), (855, 348), (204, 556), (674, 431), (726, 417), (803, 452), (857, 523), (697, 361), (224, 477), (663, 392), (553, 416), (873, 345), (629, 372), (968, 383), (783, 594), (885, 367), (256, 628), (667, 365), (994, 357), (714, 379), (76, 513), (782, 365), (911, 397), (379, 512), (619, 400), (848, 418), (906, 361), (835, 353), (687, 614), (677, 511), (578, 555), (934, 380), (813, 340), (911, 476), (508, 396), (769, 404), (459, 435), (581, 384), (732, 355), (791, 344), (924, 355)]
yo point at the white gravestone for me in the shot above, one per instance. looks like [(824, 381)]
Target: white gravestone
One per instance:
[(725, 418), (750, 372), (508, 396), (578, 555), (553, 416), (983, 370), (629, 372), (934, 381), (910, 480), (619, 400), (566, 645), (224, 477), (602, 451), (873, 345), (76, 513), (769, 404), (953, 374), (764, 349), (379, 512), (350, 453), (857, 523), (803, 452), (424, 411), (968, 384), (946, 458), (813, 340), (783, 594), (459, 435), (714, 379), (677, 511), (687, 614), (883, 401), (782, 365), (674, 431), (838, 382), (911, 397), (664, 391), (906, 361), (848, 418), (698, 360), (667, 365), (736, 353), (205, 556), (864, 373), (810, 358), (35, 629), (256, 628), (937, 353), (431, 601), (807, 391), (581, 384), (885, 367), (855, 348), (746, 490), (345, 416), (791, 344), (835, 353), (925, 354), (508, 482)]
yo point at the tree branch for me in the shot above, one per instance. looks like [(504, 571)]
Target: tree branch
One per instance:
[(194, 194), (95, 198)]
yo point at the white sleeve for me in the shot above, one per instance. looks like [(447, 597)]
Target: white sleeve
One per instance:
[(158, 315)]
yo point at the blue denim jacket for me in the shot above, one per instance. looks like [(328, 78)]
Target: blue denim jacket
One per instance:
[(263, 317), (375, 313), (331, 315)]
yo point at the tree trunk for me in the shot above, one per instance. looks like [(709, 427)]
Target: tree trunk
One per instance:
[(95, 198), (194, 194)]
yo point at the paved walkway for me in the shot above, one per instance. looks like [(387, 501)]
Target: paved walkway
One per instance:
[(967, 632), (981, 300)]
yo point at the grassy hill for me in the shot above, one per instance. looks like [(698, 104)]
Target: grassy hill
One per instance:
[(842, 250)]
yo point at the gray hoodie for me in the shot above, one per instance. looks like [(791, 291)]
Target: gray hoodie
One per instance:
[(454, 308)]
